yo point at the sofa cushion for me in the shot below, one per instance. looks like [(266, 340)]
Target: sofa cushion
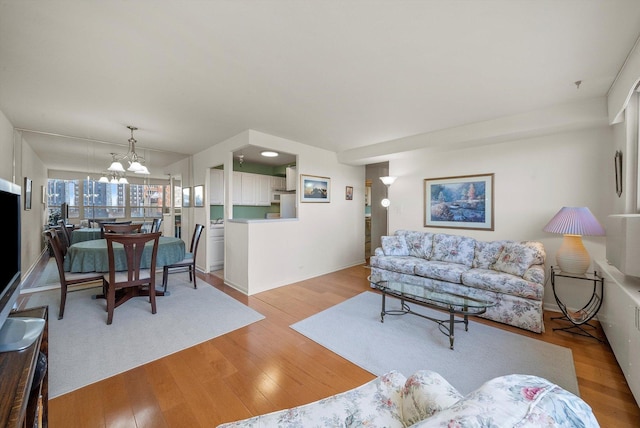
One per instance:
[(374, 404), (400, 264), (450, 272), (487, 253), (394, 246), (420, 243), (425, 393), (515, 401), (515, 258), (503, 283), (453, 249)]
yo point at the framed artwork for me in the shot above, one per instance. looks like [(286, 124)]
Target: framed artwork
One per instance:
[(198, 196), (617, 163), (349, 193), (28, 183), (43, 192), (315, 189), (464, 202), (186, 197)]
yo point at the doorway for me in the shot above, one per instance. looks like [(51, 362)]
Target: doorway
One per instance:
[(375, 219)]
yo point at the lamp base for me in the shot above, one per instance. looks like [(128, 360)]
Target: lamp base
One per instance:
[(572, 256)]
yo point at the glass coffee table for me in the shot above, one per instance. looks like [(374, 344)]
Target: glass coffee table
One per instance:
[(455, 304)]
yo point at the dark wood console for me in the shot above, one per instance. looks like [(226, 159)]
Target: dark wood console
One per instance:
[(20, 404)]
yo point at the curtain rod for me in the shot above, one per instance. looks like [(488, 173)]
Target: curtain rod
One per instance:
[(52, 134)]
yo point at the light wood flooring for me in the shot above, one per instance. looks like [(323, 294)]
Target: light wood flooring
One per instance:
[(267, 366)]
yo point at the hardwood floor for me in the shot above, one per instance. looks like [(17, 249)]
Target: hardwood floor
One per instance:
[(267, 366)]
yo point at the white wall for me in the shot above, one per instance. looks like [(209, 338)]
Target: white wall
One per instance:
[(534, 178), (19, 161), (325, 237)]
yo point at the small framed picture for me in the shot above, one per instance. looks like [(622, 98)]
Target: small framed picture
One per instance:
[(315, 189), (349, 193), (198, 196), (28, 183), (186, 197)]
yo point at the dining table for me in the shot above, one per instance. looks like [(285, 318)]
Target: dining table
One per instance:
[(91, 256), (85, 234)]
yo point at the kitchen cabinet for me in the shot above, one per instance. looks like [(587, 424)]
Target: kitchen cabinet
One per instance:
[(251, 189), (619, 317), (216, 187), (216, 247), (278, 183), (263, 190), (292, 178)]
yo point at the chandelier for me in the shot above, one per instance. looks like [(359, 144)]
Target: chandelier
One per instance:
[(134, 160)]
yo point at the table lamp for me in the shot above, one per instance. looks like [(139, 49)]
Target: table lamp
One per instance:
[(573, 222)]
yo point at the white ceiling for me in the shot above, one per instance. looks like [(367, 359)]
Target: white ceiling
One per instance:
[(334, 74)]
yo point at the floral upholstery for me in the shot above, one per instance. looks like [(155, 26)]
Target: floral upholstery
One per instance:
[(394, 246), (453, 249), (509, 273), (426, 399)]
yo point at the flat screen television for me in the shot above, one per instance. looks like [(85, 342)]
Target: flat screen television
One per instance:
[(15, 333)]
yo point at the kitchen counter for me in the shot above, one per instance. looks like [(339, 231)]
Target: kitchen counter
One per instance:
[(260, 220)]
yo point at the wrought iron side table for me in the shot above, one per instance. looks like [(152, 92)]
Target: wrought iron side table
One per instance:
[(579, 319)]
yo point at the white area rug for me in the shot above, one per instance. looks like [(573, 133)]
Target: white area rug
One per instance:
[(83, 349), (407, 343)]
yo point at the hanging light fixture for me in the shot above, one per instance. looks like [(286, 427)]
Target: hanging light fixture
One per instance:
[(135, 161)]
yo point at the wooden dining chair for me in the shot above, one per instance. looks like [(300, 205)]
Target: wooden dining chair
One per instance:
[(67, 229), (155, 226), (67, 279), (123, 228), (104, 223), (188, 264), (134, 281)]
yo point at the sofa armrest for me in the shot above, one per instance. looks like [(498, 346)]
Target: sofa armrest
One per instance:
[(516, 401), (378, 252), (535, 273)]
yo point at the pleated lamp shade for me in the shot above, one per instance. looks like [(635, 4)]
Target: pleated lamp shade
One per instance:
[(573, 222)]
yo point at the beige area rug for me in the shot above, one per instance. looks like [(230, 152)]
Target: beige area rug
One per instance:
[(407, 343), (82, 347)]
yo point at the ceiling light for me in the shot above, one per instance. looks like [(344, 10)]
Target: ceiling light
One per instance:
[(269, 154), (135, 161)]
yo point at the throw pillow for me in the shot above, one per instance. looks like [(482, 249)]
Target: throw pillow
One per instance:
[(487, 253), (394, 246), (420, 244), (453, 249), (515, 259)]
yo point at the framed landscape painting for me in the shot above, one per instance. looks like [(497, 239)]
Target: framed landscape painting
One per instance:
[(464, 202), (315, 189), (27, 193)]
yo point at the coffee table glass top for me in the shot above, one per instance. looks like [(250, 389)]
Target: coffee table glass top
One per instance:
[(426, 295)]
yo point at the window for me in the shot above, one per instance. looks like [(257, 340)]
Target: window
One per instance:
[(146, 200), (103, 200), (60, 192)]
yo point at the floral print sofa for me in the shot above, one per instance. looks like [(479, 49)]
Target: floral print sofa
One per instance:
[(510, 273), (426, 399)]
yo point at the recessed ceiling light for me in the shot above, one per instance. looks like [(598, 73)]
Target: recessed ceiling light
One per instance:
[(269, 154)]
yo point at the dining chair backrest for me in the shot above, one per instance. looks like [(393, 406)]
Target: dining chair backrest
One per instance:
[(155, 226), (123, 228), (53, 238), (104, 223), (66, 229), (133, 245), (195, 239)]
